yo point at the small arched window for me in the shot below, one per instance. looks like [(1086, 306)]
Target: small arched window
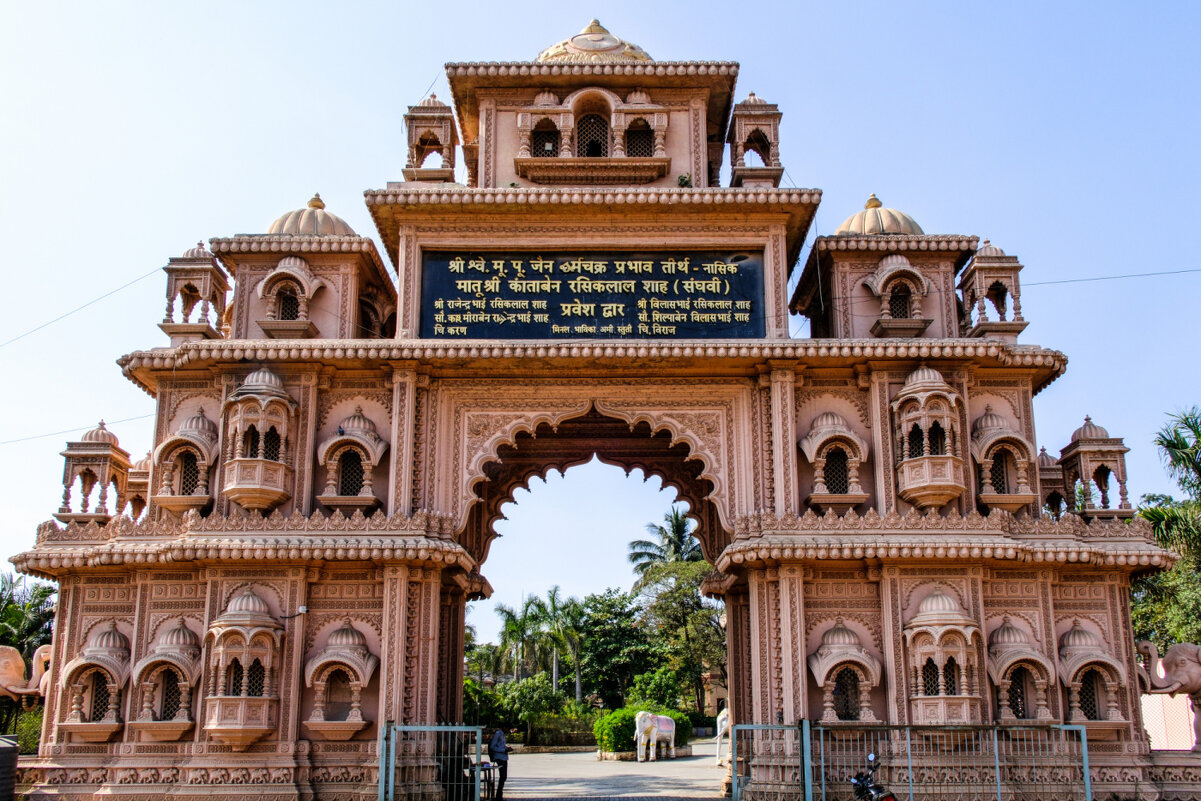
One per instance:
[(938, 440), (189, 473), (233, 678), (836, 474), (1019, 677), (1003, 466), (101, 700), (917, 447), (846, 694), (289, 304), (338, 696), (640, 140), (544, 140), (929, 677), (950, 677), (271, 444), (169, 694), (1090, 694), (255, 679), (350, 473), (899, 302), (250, 443), (592, 137), (369, 327)]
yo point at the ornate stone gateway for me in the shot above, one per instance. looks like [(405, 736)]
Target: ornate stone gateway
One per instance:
[(285, 573)]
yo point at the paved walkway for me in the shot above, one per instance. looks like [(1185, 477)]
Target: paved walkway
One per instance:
[(581, 775)]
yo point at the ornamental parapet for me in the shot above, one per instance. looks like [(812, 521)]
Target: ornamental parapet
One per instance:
[(766, 538), (660, 354), (422, 538)]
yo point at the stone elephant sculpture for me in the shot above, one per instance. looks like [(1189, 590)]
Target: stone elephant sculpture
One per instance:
[(650, 730), (13, 683), (1182, 674), (723, 730)]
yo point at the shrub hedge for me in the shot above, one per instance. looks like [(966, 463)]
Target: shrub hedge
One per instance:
[(615, 731)]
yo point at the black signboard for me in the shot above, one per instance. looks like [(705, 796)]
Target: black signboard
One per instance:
[(618, 295)]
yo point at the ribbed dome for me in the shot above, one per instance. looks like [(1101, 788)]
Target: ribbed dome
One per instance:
[(753, 100), (925, 375), (261, 382), (1045, 459), (99, 434), (111, 639), (937, 601), (143, 463), (840, 635), (1089, 430), (311, 221), (430, 102), (1007, 634), (180, 637), (593, 45), (829, 420), (875, 219), (358, 425), (248, 603), (347, 636), (989, 421), (1079, 637), (989, 249), (198, 252), (199, 424)]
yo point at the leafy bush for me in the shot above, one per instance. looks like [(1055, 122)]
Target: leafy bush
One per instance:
[(700, 720), (659, 688), (615, 731), (29, 729)]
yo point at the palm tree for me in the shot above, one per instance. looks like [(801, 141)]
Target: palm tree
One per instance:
[(1179, 445), (676, 544), (519, 636), (26, 614), (562, 620)]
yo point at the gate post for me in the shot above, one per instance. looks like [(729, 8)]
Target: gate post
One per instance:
[(807, 760)]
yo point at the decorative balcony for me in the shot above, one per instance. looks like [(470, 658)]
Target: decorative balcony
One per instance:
[(592, 171), (288, 329), (900, 327), (930, 481), (349, 503), (182, 503), (1012, 502), (841, 503), (239, 721), (91, 732), (257, 483), (944, 709), (161, 731)]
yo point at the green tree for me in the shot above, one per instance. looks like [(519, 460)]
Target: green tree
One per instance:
[(675, 543), (1166, 607), (657, 688), (519, 637), (616, 648), (562, 621), (530, 698), (688, 626), (26, 613)]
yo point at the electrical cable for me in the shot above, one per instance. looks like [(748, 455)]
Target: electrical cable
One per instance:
[(73, 430), (80, 308)]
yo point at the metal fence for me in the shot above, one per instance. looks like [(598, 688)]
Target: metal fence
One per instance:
[(816, 762), (433, 763)]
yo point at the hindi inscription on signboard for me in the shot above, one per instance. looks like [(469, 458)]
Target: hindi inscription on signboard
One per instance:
[(673, 295)]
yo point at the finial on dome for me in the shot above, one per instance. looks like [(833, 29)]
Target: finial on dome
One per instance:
[(987, 408), (317, 202), (594, 27), (873, 202), (101, 426), (1087, 420)]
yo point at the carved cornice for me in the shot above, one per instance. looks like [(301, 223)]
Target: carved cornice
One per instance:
[(139, 366), (229, 248), (766, 538), (423, 538)]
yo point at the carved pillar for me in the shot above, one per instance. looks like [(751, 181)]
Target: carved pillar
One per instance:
[(400, 465), (765, 641), (452, 609), (409, 683), (784, 449), (828, 713), (738, 646)]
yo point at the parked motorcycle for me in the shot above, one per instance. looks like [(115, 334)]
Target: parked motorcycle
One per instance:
[(867, 788)]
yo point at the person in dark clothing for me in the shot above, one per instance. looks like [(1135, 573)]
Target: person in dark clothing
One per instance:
[(498, 752)]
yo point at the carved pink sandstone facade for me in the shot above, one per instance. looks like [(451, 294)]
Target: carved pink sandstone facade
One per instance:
[(871, 498)]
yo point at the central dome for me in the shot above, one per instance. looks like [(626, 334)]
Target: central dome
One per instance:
[(875, 219), (593, 45), (313, 220)]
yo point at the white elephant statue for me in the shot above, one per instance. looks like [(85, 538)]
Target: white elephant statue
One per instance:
[(723, 730), (13, 683), (649, 731), (1182, 674)]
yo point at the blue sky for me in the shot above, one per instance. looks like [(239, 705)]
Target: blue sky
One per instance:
[(1064, 132)]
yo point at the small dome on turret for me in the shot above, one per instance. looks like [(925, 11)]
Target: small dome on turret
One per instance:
[(179, 637), (989, 249), (1045, 459), (358, 425), (989, 421), (936, 602), (111, 639), (1007, 634), (840, 635), (246, 602), (199, 424), (347, 637), (1089, 430), (829, 420), (1079, 637), (924, 375), (593, 45), (198, 252), (261, 382), (875, 219), (430, 102), (312, 220), (144, 463), (100, 434)]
